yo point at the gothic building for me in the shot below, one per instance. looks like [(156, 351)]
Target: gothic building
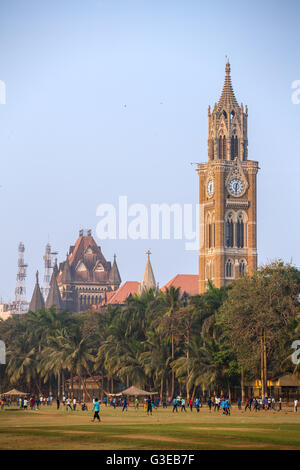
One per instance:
[(227, 185), (82, 280)]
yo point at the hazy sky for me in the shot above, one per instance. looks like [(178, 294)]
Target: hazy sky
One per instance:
[(68, 143)]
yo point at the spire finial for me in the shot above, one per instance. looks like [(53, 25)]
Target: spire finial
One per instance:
[(37, 277), (148, 253)]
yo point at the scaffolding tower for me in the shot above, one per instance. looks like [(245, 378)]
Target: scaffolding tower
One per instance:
[(48, 264), (21, 304)]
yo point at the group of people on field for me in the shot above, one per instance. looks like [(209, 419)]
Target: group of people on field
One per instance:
[(214, 403)]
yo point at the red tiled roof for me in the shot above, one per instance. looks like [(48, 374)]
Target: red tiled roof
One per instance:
[(188, 283), (124, 291)]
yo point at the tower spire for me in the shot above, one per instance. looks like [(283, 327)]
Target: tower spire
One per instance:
[(148, 281), (54, 298), (37, 301), (227, 98)]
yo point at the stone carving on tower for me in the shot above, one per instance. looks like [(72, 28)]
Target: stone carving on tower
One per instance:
[(227, 185)]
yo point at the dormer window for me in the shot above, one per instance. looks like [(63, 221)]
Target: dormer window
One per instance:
[(81, 266)]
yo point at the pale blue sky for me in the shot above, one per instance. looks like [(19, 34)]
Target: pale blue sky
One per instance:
[(67, 143)]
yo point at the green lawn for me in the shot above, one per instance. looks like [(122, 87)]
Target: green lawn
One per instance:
[(52, 429)]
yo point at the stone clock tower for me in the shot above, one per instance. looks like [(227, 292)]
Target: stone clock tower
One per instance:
[(227, 184)]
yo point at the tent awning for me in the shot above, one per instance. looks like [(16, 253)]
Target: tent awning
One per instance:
[(14, 392), (133, 391)]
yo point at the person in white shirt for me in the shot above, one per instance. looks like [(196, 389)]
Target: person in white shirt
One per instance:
[(25, 404), (74, 404), (295, 405), (183, 404), (279, 404)]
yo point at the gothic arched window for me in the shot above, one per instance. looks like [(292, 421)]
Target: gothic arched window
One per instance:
[(240, 232), (209, 235), (242, 267), (229, 231), (229, 268), (234, 147), (222, 147)]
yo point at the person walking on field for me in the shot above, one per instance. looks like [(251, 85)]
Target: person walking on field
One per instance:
[(149, 406), (57, 403), (247, 405), (191, 404), (209, 402), (74, 404), (68, 402), (279, 404), (124, 404), (136, 403), (295, 405), (175, 404), (96, 409), (183, 404)]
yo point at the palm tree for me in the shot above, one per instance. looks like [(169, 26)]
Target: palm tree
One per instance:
[(171, 299), (22, 361), (156, 359)]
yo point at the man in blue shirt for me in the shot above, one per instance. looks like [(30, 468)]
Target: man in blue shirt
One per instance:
[(96, 408)]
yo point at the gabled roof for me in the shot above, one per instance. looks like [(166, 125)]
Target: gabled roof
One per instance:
[(80, 249), (37, 300), (188, 283), (227, 99), (119, 296), (85, 252)]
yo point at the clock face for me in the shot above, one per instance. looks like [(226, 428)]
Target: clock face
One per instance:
[(210, 188), (235, 186)]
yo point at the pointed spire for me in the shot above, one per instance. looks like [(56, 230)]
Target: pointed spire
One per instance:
[(148, 281), (114, 275), (66, 276), (37, 300), (54, 297), (228, 98)]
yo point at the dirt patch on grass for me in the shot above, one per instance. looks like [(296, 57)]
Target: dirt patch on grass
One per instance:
[(216, 428), (152, 437)]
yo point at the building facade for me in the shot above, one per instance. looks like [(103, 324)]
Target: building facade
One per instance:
[(85, 277), (227, 195)]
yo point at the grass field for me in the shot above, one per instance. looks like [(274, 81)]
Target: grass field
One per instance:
[(51, 429)]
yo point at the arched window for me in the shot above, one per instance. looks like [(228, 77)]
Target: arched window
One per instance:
[(224, 114), (211, 149), (234, 147), (229, 231), (240, 231), (209, 235), (242, 267), (229, 268), (222, 147)]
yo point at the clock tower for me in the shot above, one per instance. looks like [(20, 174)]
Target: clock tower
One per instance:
[(227, 185)]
